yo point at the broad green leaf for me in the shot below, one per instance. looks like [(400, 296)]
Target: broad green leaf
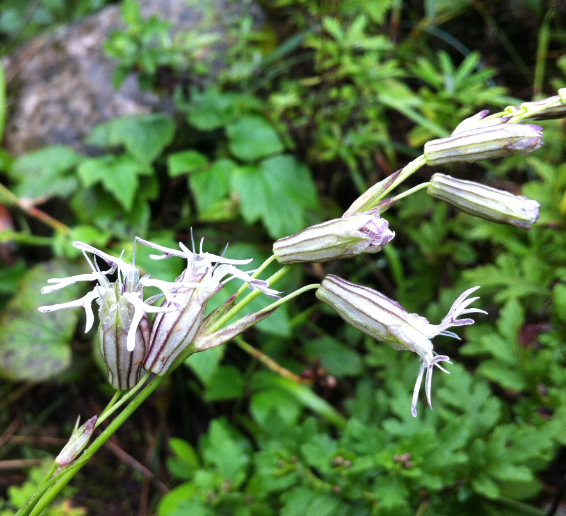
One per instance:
[(334, 356), (171, 503), (185, 162), (46, 172), (276, 401), (185, 461), (144, 136), (212, 110), (278, 192), (34, 346), (118, 174), (227, 383), (212, 184), (252, 137), (206, 363)]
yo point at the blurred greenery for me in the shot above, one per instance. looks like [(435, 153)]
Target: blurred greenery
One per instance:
[(283, 129)]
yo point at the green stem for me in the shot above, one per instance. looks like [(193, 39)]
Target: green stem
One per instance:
[(63, 479), (112, 408), (411, 191), (247, 300), (117, 394), (409, 169)]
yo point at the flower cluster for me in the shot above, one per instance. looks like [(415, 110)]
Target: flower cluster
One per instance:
[(127, 341)]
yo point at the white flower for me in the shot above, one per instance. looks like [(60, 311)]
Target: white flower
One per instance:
[(128, 286), (387, 321), (204, 276)]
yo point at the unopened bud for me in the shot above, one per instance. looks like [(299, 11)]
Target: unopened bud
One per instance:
[(484, 201), (77, 443), (346, 237), (477, 121), (493, 141), (368, 199), (205, 340), (562, 96), (555, 109)]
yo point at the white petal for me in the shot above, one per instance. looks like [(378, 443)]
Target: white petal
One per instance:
[(84, 302)]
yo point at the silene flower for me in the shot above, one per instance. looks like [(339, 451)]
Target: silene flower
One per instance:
[(386, 320), (484, 142), (182, 313), (341, 238), (124, 327), (484, 201)]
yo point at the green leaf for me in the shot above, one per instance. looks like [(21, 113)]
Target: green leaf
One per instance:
[(118, 174), (45, 172), (274, 401), (144, 136), (205, 364), (278, 192), (34, 346), (212, 184), (186, 460), (559, 300), (171, 503), (185, 162), (224, 448), (334, 356), (252, 137), (227, 383)]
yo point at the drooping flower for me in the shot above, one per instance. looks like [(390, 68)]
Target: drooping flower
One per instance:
[(341, 238), (479, 143), (484, 201), (205, 275), (386, 320), (124, 328)]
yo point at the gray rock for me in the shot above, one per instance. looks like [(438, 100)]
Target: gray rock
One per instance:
[(59, 85)]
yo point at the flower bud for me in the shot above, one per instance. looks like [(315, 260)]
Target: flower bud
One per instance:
[(346, 237), (367, 200), (116, 318), (485, 202), (477, 121), (204, 340), (562, 96), (555, 109), (77, 442), (386, 320), (493, 141)]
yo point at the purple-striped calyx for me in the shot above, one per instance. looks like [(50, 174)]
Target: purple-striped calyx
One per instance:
[(174, 330), (479, 143), (484, 201), (386, 320), (124, 328), (346, 237)]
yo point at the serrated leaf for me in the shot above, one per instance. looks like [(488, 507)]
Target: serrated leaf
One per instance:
[(34, 346), (334, 356), (227, 383), (185, 162), (212, 184), (118, 174), (44, 172), (252, 137), (144, 136), (278, 192)]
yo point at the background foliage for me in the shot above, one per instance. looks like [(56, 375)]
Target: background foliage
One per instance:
[(306, 110)]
